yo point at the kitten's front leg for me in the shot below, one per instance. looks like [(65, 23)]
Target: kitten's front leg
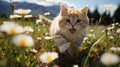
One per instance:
[(73, 49), (61, 43)]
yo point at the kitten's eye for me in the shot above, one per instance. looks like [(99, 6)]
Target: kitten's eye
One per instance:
[(67, 20), (78, 21)]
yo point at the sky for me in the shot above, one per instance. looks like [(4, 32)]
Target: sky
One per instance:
[(103, 5)]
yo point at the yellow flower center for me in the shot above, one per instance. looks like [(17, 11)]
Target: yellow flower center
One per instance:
[(49, 58), (23, 13), (22, 43), (12, 31), (110, 60)]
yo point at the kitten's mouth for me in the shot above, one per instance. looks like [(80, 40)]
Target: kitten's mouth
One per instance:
[(72, 30)]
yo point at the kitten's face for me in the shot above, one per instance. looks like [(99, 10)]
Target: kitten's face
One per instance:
[(73, 20)]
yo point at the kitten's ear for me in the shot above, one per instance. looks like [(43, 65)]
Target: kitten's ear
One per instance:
[(44, 20), (63, 10), (85, 10)]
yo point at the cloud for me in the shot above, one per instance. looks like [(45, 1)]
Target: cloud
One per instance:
[(46, 2), (53, 2), (92, 9), (109, 7)]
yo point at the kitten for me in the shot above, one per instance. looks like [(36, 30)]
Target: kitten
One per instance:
[(68, 27)]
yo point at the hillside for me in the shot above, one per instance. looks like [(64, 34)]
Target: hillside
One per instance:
[(36, 9)]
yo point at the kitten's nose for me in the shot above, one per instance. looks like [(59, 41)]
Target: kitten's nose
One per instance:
[(72, 25)]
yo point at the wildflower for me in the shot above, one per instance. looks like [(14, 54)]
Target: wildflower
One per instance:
[(11, 28), (38, 21), (75, 66), (34, 50), (109, 59), (111, 37), (90, 35), (27, 16), (108, 33), (47, 13), (39, 29), (46, 34), (86, 38), (48, 57), (28, 29), (115, 48), (15, 16), (113, 25), (23, 40), (49, 37), (110, 28), (118, 31), (91, 30), (39, 38), (22, 11), (116, 23)]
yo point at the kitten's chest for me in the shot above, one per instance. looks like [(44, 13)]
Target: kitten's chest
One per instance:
[(74, 37)]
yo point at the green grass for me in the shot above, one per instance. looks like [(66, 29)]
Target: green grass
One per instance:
[(88, 55)]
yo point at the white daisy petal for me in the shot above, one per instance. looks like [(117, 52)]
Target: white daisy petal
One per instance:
[(11, 28), (23, 40), (28, 29), (48, 57), (109, 59), (22, 11)]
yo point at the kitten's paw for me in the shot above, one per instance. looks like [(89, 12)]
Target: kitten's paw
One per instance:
[(63, 48), (72, 52)]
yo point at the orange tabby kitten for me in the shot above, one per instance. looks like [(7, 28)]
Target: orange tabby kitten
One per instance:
[(68, 27)]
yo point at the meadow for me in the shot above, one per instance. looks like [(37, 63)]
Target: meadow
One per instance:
[(100, 48)]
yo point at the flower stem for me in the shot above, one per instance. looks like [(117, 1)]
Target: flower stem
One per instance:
[(85, 62)]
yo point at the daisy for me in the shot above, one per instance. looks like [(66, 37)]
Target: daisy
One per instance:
[(23, 40), (28, 29), (48, 37), (75, 66), (91, 30), (48, 57), (28, 16), (109, 59), (110, 28), (11, 28), (38, 21), (118, 31), (39, 38), (22, 11), (47, 13), (115, 48), (34, 50), (15, 16), (39, 29)]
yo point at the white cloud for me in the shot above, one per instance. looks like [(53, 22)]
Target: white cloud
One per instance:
[(109, 8), (52, 2), (46, 2), (92, 9)]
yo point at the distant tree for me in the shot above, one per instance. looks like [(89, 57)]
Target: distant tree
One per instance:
[(4, 16), (90, 16), (116, 15), (94, 17), (106, 19)]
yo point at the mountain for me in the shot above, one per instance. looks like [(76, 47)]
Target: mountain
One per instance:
[(4, 7), (36, 9)]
